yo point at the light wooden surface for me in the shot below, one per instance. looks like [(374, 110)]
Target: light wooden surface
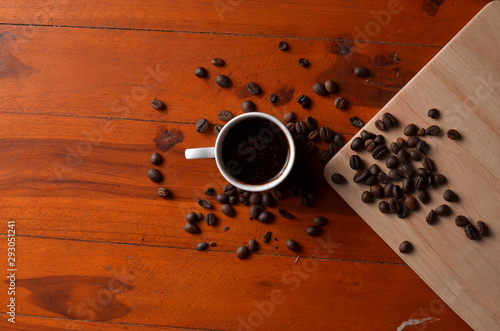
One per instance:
[(462, 82), (77, 130)]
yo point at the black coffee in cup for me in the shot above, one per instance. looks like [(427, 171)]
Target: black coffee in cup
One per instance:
[(255, 151)]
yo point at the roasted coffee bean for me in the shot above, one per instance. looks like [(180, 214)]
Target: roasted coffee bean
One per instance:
[(156, 159), (325, 156), (377, 191), (311, 123), (403, 156), (291, 127), (383, 178), (255, 198), (380, 152), (158, 104), (443, 210), (192, 217), (229, 189), (471, 232), (201, 125), (227, 210), (320, 220), (267, 237), (255, 211), (268, 200), (248, 106), (210, 219), (430, 181), (371, 180), (383, 206), (423, 196), (226, 228), (253, 246), (155, 175), (225, 115), (450, 196), (289, 117), (293, 245), (395, 205), (282, 46), (397, 192), (205, 203), (304, 63), (222, 198), (340, 103), (356, 122), (356, 163), (407, 169), (305, 202), (223, 81), (421, 132), (266, 217), (433, 113), (360, 176), (403, 212), (210, 192), (253, 88), (431, 217), (395, 148), (314, 231), (379, 124), (374, 169), (366, 197), (304, 101), (277, 194), (453, 134), (370, 145), (163, 192), (422, 147), (421, 172), (242, 252), (201, 72), (483, 228), (410, 202), (330, 86), (433, 130), (461, 221), (313, 135), (407, 185), (361, 71), (412, 141), (415, 155), (405, 247), (244, 201), (213, 244), (246, 194), (203, 246), (379, 140), (307, 147), (392, 162), (301, 127), (428, 164), (218, 62), (421, 182), (389, 120), (217, 129), (365, 135), (439, 179), (338, 178), (388, 189), (319, 89), (273, 98), (284, 213), (191, 228), (410, 130), (395, 175), (233, 200), (357, 144), (325, 133)]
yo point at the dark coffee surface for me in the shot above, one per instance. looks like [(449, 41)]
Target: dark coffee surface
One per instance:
[(255, 151)]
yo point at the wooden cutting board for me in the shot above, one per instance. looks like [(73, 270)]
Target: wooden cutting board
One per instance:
[(463, 82)]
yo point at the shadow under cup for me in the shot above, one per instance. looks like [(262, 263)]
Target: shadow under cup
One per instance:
[(255, 152)]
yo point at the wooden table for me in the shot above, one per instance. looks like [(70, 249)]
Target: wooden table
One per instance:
[(96, 248)]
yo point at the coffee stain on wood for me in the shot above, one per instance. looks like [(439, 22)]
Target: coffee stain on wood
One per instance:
[(166, 139)]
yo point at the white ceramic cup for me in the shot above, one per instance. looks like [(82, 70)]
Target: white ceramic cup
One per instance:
[(216, 152)]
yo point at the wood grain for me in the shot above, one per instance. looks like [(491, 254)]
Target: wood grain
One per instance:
[(419, 22), (464, 89)]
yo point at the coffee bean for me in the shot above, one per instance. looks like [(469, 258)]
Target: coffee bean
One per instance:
[(253, 88), (242, 252), (423, 196), (233, 200), (431, 217), (430, 181), (304, 101), (157, 104), (410, 130), (394, 205), (421, 172), (282, 46), (397, 192), (226, 228), (407, 169), (433, 130), (307, 148), (304, 63), (471, 232), (392, 162), (453, 134), (407, 185), (330, 86), (255, 211), (379, 140), (367, 135), (384, 208), (383, 178), (340, 103), (200, 216), (225, 115), (267, 237), (422, 147), (289, 117), (421, 182), (395, 148), (413, 141), (461, 221), (366, 197), (248, 106), (277, 194), (201, 125), (191, 228), (273, 98), (305, 202), (217, 129), (428, 164), (156, 159), (244, 201), (201, 72), (311, 123), (357, 144), (356, 163), (229, 190), (268, 200), (320, 220), (389, 120), (192, 217), (293, 245), (433, 113), (361, 175), (210, 219), (370, 145), (203, 246), (450, 196), (403, 156), (405, 247), (227, 210), (380, 152), (356, 122), (410, 202), (379, 124), (253, 246), (338, 178), (266, 217), (395, 175), (371, 180), (301, 127), (255, 198), (415, 155), (223, 81), (377, 191), (319, 89), (210, 192), (314, 231), (163, 192), (443, 210), (388, 189), (338, 140), (284, 213), (483, 228), (222, 198), (213, 244), (313, 135), (218, 62), (325, 156), (403, 212), (439, 179), (361, 72), (155, 175), (421, 132), (205, 203)]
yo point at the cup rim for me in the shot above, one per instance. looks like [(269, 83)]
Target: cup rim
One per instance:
[(250, 187)]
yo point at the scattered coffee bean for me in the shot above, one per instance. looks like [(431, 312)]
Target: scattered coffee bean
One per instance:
[(471, 232), (282, 46), (192, 217), (191, 228), (392, 162), (431, 217), (356, 163), (403, 156), (313, 231), (319, 89), (205, 203), (423, 196), (407, 169), (450, 196), (330, 86), (439, 179), (163, 192), (340, 103), (156, 159), (266, 217), (155, 175), (428, 164), (201, 72), (389, 120), (361, 176), (483, 228), (227, 210), (433, 113), (226, 228), (415, 155), (421, 132), (397, 192), (407, 185), (223, 81), (374, 169), (377, 191), (356, 122), (253, 246), (301, 127), (421, 172), (202, 246), (277, 194), (313, 135), (395, 175), (244, 201), (210, 192), (200, 216), (213, 244), (217, 129), (268, 200), (366, 197), (410, 202), (273, 98), (304, 63), (293, 245), (410, 130), (255, 211), (248, 106), (367, 135), (403, 212), (225, 115), (157, 104), (461, 221), (229, 190), (383, 206), (394, 205), (338, 140), (395, 148), (304, 101), (289, 117), (255, 198), (370, 145), (443, 210), (320, 220), (267, 237), (433, 130), (305, 202), (405, 247), (422, 147), (311, 123), (242, 252), (453, 134), (379, 124), (388, 189), (222, 198), (210, 219), (379, 140), (361, 72), (325, 156), (201, 125), (380, 152), (325, 133), (218, 62), (338, 178), (284, 213), (371, 180), (413, 141), (233, 200), (253, 88), (357, 144)]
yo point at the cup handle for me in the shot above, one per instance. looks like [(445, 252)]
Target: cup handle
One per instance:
[(200, 153)]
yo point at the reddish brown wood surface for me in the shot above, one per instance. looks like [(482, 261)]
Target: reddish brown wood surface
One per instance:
[(77, 131)]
